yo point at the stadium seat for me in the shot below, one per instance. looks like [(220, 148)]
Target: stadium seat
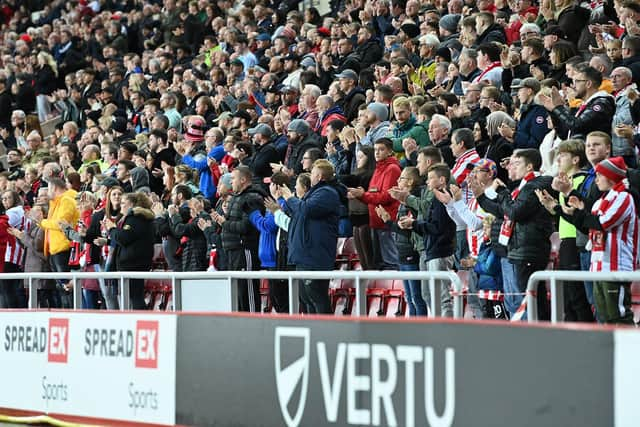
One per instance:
[(264, 296), (377, 297), (395, 300)]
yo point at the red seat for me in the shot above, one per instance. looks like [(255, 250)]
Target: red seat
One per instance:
[(396, 303)]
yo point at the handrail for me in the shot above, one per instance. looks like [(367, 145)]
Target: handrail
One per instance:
[(359, 277), (557, 289)]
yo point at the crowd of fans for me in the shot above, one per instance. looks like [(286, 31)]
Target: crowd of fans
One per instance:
[(441, 135)]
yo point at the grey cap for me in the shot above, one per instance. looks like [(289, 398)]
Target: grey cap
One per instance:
[(299, 126), (530, 82), (307, 61), (226, 180), (348, 74), (225, 115), (262, 129), (380, 110)]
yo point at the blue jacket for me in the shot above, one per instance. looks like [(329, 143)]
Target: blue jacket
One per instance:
[(532, 127), (489, 269), (268, 229), (199, 163), (313, 231)]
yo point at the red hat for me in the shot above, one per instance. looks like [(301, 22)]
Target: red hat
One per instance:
[(613, 168), (324, 31), (195, 129), (25, 37)]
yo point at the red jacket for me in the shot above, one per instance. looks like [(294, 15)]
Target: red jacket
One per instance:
[(384, 177)]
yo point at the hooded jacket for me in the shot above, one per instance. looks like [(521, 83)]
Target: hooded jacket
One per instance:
[(313, 230), (352, 103), (62, 208), (384, 177), (133, 238), (140, 180), (494, 33)]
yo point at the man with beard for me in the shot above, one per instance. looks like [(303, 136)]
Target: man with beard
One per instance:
[(368, 48), (161, 151), (301, 138), (293, 70), (595, 113)]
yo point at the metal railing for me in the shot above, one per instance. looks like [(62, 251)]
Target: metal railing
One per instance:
[(572, 278), (360, 279)]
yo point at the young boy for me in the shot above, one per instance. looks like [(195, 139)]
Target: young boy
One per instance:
[(439, 233), (613, 237)]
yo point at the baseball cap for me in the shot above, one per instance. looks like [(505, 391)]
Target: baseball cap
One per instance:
[(530, 82), (348, 74), (262, 129)]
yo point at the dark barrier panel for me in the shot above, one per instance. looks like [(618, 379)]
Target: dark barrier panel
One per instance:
[(234, 371)]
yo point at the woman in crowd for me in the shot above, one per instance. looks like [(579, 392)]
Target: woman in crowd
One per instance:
[(101, 250), (133, 238), (358, 211)]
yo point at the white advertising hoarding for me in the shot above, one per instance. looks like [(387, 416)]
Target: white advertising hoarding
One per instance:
[(118, 366)]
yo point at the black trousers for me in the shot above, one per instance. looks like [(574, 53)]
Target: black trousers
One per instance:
[(314, 294), (524, 270), (248, 290), (576, 305), (9, 287)]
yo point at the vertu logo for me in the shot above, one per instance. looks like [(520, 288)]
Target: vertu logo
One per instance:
[(288, 377)]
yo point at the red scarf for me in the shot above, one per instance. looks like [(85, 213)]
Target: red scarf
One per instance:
[(506, 230), (489, 68)]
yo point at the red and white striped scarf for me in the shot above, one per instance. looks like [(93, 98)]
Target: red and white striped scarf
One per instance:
[(507, 225)]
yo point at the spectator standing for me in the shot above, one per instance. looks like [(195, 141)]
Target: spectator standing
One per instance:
[(384, 178), (313, 233), (240, 238)]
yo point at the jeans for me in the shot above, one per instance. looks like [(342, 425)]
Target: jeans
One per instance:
[(585, 265), (511, 302), (90, 299), (523, 271), (387, 249), (413, 292)]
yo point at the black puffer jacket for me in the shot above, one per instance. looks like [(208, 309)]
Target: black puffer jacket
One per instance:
[(533, 224), (195, 249), (134, 240), (597, 115), (237, 230)]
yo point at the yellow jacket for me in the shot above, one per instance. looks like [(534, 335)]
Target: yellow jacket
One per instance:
[(61, 208)]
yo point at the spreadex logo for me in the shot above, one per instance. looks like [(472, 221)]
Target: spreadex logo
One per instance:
[(141, 343), (38, 339), (379, 391)]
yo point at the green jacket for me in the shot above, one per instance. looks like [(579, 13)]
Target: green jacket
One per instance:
[(417, 131)]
